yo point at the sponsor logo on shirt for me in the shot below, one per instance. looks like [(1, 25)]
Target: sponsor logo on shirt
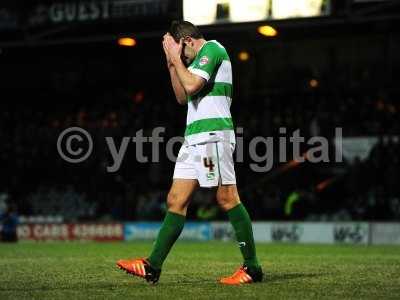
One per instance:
[(203, 61)]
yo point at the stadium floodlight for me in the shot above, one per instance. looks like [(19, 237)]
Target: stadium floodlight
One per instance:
[(127, 42), (244, 56), (247, 11), (313, 83), (200, 12), (285, 9), (267, 30)]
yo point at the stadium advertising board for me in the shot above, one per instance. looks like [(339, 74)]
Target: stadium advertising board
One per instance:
[(47, 13), (300, 232), (222, 231), (101, 10), (71, 232), (292, 232), (351, 233), (148, 231), (385, 233)]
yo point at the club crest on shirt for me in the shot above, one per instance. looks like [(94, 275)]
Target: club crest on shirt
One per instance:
[(203, 61)]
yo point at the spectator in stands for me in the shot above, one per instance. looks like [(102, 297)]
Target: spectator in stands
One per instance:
[(9, 224)]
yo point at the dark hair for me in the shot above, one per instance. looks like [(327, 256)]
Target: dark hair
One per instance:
[(182, 29)]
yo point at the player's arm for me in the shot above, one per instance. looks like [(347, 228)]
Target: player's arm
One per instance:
[(191, 83), (179, 91)]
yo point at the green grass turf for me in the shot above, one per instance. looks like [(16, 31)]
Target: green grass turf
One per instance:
[(87, 271)]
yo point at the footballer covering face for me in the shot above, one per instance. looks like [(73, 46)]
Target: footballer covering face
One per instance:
[(201, 77)]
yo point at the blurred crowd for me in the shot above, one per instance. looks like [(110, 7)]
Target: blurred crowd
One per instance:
[(311, 85), (372, 189), (41, 183)]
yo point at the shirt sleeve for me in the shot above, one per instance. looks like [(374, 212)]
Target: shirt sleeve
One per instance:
[(207, 62)]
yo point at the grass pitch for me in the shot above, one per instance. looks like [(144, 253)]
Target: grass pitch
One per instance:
[(87, 271)]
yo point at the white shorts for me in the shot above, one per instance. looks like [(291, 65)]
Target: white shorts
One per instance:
[(210, 163)]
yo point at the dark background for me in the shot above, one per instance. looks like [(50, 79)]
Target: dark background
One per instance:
[(78, 75)]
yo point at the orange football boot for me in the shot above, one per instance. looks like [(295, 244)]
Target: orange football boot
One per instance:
[(243, 275), (139, 267)]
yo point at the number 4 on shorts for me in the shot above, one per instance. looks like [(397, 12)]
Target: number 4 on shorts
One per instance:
[(208, 163)]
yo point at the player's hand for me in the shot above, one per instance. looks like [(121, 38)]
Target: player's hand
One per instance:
[(167, 57), (173, 48)]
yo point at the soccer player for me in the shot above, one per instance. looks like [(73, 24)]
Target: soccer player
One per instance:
[(201, 77)]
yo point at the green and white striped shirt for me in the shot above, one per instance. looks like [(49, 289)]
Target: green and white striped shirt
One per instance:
[(209, 118)]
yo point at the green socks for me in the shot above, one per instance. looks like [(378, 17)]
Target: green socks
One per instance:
[(173, 226), (240, 220), (168, 234)]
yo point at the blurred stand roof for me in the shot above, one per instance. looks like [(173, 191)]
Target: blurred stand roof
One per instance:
[(45, 22)]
